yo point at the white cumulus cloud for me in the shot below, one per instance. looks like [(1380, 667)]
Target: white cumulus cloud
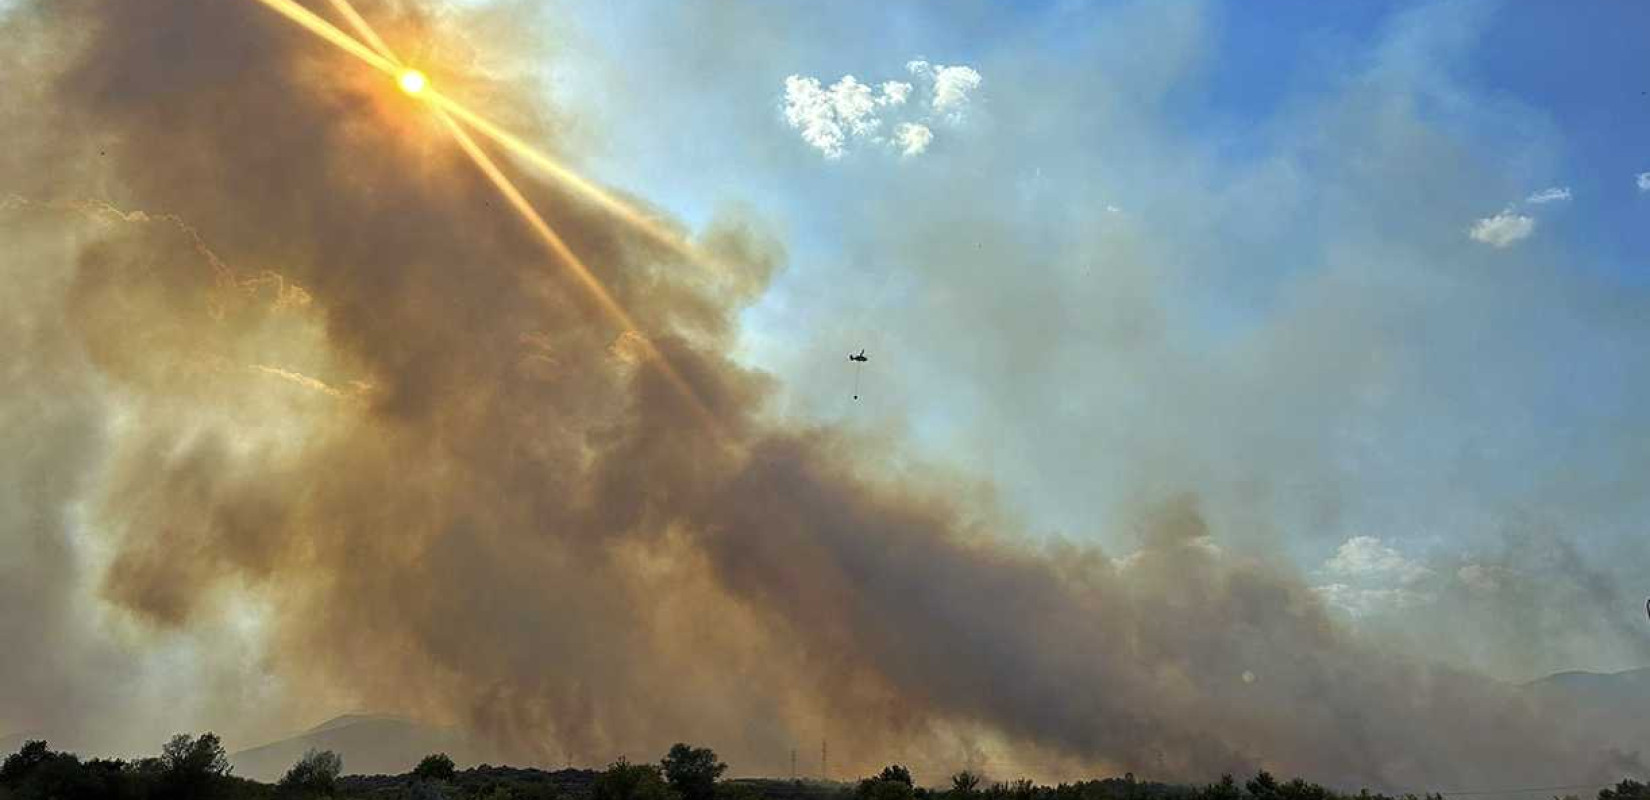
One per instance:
[(1549, 195), (1644, 181), (1503, 229), (833, 119), (1367, 557), (913, 138), (808, 109), (1369, 576), (894, 93), (951, 86)]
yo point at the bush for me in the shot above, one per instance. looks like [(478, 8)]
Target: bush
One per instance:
[(623, 780)]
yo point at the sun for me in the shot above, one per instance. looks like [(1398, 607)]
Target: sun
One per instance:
[(412, 81)]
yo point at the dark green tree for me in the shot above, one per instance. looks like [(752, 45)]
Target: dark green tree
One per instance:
[(434, 767), (316, 774), (692, 771), (965, 783)]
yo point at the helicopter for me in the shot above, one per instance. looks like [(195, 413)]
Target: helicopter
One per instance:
[(859, 360)]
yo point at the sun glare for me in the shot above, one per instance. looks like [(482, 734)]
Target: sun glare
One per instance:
[(412, 81)]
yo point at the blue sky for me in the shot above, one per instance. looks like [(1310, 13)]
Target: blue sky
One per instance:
[(1194, 247)]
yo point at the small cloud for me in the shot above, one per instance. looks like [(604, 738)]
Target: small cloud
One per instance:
[(1549, 195), (1643, 181), (951, 85), (913, 138), (894, 93), (1368, 576), (1366, 557), (808, 109), (1503, 229), (828, 118), (831, 119), (854, 103)]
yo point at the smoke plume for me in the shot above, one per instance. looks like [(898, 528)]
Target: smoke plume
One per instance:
[(314, 415)]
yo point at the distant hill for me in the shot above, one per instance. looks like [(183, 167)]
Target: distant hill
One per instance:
[(370, 744), (1617, 703)]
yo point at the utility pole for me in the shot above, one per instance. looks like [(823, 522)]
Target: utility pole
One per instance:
[(793, 763), (824, 764)]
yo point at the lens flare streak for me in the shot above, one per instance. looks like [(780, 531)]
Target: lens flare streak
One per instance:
[(446, 109), (384, 60), (364, 30), (590, 191), (559, 248), (326, 30)]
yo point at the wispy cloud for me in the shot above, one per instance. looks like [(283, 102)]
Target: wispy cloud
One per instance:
[(1550, 195)]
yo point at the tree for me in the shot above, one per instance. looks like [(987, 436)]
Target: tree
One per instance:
[(1297, 789), (27, 759), (692, 771), (877, 789), (965, 783), (195, 756), (192, 767), (1225, 789), (1263, 785), (314, 774), (893, 783), (434, 767), (623, 780)]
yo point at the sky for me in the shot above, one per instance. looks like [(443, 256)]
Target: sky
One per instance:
[(1221, 362), (1306, 183)]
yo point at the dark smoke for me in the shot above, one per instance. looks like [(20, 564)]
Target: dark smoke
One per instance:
[(460, 493)]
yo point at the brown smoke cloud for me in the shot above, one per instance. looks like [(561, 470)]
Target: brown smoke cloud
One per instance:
[(400, 431)]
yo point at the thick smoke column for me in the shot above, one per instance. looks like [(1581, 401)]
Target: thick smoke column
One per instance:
[(456, 491)]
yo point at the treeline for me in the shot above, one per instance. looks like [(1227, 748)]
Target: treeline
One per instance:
[(197, 768)]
